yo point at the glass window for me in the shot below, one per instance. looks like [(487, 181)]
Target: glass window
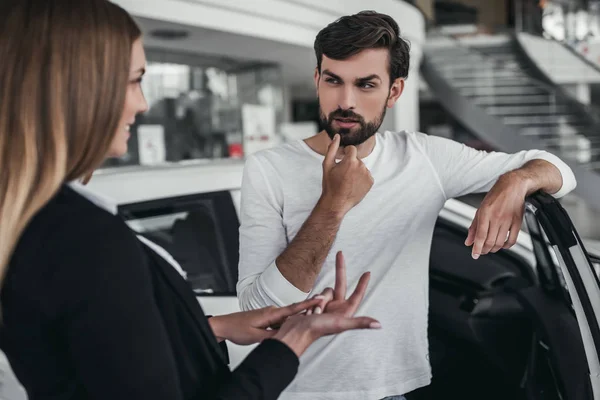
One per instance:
[(199, 231), (195, 107)]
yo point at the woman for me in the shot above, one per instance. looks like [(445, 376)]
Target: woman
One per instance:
[(88, 311)]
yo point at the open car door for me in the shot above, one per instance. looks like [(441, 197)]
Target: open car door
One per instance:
[(521, 323), (564, 357)]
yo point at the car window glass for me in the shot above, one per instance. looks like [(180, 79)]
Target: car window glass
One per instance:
[(198, 231)]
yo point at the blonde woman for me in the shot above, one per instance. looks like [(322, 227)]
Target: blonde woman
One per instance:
[(88, 311)]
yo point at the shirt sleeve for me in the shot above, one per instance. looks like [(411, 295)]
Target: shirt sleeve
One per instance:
[(262, 239), (104, 304), (462, 170)]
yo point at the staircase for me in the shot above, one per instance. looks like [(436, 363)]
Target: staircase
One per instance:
[(501, 82), (500, 95)]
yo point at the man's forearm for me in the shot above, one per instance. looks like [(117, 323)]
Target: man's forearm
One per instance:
[(301, 262), (539, 175)]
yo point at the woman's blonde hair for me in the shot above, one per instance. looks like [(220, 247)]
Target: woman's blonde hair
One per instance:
[(64, 70)]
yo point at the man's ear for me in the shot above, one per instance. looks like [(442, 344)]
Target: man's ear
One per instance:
[(395, 92)]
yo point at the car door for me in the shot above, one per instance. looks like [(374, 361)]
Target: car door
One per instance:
[(516, 324), (565, 306)]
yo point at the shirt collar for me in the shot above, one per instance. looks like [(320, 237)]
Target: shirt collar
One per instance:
[(96, 198)]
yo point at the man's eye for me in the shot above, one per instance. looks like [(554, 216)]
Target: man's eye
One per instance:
[(367, 85), (331, 80)]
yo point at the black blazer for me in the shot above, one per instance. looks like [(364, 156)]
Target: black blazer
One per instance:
[(89, 312)]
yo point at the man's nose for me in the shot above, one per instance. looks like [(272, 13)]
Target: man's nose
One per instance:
[(347, 99)]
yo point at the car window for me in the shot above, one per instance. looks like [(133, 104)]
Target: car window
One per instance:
[(450, 257), (200, 232), (549, 271)]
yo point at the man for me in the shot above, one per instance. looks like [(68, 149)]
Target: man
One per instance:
[(379, 205)]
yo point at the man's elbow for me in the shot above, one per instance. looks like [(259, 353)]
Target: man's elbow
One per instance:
[(568, 182), (250, 297)]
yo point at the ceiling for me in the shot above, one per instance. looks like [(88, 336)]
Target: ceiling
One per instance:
[(297, 63)]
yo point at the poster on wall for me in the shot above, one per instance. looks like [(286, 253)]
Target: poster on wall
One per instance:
[(258, 125), (151, 144)]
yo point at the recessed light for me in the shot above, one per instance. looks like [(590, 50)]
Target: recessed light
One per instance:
[(169, 34)]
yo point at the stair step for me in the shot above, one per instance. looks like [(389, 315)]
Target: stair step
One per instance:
[(455, 57), (485, 74), (570, 141), (557, 132), (508, 49), (512, 100), (575, 153), (484, 83), (490, 91), (478, 65), (485, 66), (505, 57), (527, 110), (594, 166), (541, 120)]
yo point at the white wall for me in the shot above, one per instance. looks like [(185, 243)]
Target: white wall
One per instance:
[(294, 23)]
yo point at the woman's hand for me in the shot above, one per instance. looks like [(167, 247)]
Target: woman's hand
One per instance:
[(254, 326), (299, 331)]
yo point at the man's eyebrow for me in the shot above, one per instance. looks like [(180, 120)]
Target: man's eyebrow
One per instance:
[(357, 80), (369, 78), (331, 74)]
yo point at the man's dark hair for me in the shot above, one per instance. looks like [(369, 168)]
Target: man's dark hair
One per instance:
[(352, 34)]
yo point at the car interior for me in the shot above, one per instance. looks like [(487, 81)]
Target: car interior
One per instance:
[(199, 231), (499, 328)]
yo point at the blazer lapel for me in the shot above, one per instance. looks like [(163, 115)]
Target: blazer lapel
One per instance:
[(182, 289)]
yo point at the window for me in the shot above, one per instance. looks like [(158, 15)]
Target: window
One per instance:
[(195, 104), (200, 231)]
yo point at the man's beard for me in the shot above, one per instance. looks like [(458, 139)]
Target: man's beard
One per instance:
[(353, 136)]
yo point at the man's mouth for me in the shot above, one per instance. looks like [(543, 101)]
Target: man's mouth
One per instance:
[(346, 123)]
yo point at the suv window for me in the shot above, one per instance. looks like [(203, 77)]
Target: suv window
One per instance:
[(200, 231)]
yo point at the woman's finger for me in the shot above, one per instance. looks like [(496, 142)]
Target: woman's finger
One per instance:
[(327, 296), (263, 334), (346, 324), (276, 315)]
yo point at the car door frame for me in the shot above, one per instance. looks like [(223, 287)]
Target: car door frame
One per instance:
[(582, 282)]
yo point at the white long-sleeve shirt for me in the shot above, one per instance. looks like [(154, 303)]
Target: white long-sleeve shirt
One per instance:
[(389, 233)]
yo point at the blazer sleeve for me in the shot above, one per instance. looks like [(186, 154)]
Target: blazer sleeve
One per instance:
[(100, 297), (102, 302), (264, 374)]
